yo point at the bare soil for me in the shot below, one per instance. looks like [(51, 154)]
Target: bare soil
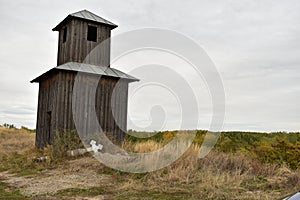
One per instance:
[(80, 173)]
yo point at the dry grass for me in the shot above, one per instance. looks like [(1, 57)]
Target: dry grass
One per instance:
[(15, 140), (142, 147), (217, 176), (18, 153)]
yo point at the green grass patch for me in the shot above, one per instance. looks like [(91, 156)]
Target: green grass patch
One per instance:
[(28, 172), (120, 195), (149, 195), (7, 192), (94, 191)]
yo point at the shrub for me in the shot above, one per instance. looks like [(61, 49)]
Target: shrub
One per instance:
[(65, 141), (10, 126)]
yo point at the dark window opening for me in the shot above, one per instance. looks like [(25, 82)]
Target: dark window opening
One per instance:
[(92, 34), (65, 34)]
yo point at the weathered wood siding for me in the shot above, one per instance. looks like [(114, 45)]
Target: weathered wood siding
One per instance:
[(46, 121), (55, 96), (76, 48)]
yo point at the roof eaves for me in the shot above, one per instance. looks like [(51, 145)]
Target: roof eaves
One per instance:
[(88, 69), (106, 22)]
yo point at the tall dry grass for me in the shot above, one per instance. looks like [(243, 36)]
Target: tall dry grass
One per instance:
[(217, 176), (18, 153), (15, 140)]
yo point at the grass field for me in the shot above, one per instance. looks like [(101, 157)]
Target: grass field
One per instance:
[(226, 173)]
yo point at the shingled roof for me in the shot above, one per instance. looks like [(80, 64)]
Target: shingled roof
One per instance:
[(86, 15), (88, 69)]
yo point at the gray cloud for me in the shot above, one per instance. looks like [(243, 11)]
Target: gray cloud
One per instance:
[(255, 45)]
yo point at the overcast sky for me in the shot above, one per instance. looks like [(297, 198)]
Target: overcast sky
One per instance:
[(254, 44)]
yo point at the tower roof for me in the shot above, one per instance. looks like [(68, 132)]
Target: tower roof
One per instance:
[(85, 15), (87, 69)]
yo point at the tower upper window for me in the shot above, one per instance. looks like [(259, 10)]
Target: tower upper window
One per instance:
[(65, 34), (92, 34)]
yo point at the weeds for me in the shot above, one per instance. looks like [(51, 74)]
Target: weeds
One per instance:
[(63, 142), (7, 192), (228, 172)]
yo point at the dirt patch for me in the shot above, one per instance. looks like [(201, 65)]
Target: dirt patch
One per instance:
[(80, 173)]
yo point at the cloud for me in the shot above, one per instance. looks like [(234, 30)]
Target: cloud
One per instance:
[(255, 45)]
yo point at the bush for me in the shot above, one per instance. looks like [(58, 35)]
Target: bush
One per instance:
[(65, 141), (10, 126)]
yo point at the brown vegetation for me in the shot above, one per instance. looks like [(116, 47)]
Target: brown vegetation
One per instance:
[(220, 175), (15, 140)]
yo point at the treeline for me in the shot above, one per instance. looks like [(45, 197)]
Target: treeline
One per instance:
[(280, 148), (12, 126)]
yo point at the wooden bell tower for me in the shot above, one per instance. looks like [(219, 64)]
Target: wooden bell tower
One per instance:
[(83, 46)]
